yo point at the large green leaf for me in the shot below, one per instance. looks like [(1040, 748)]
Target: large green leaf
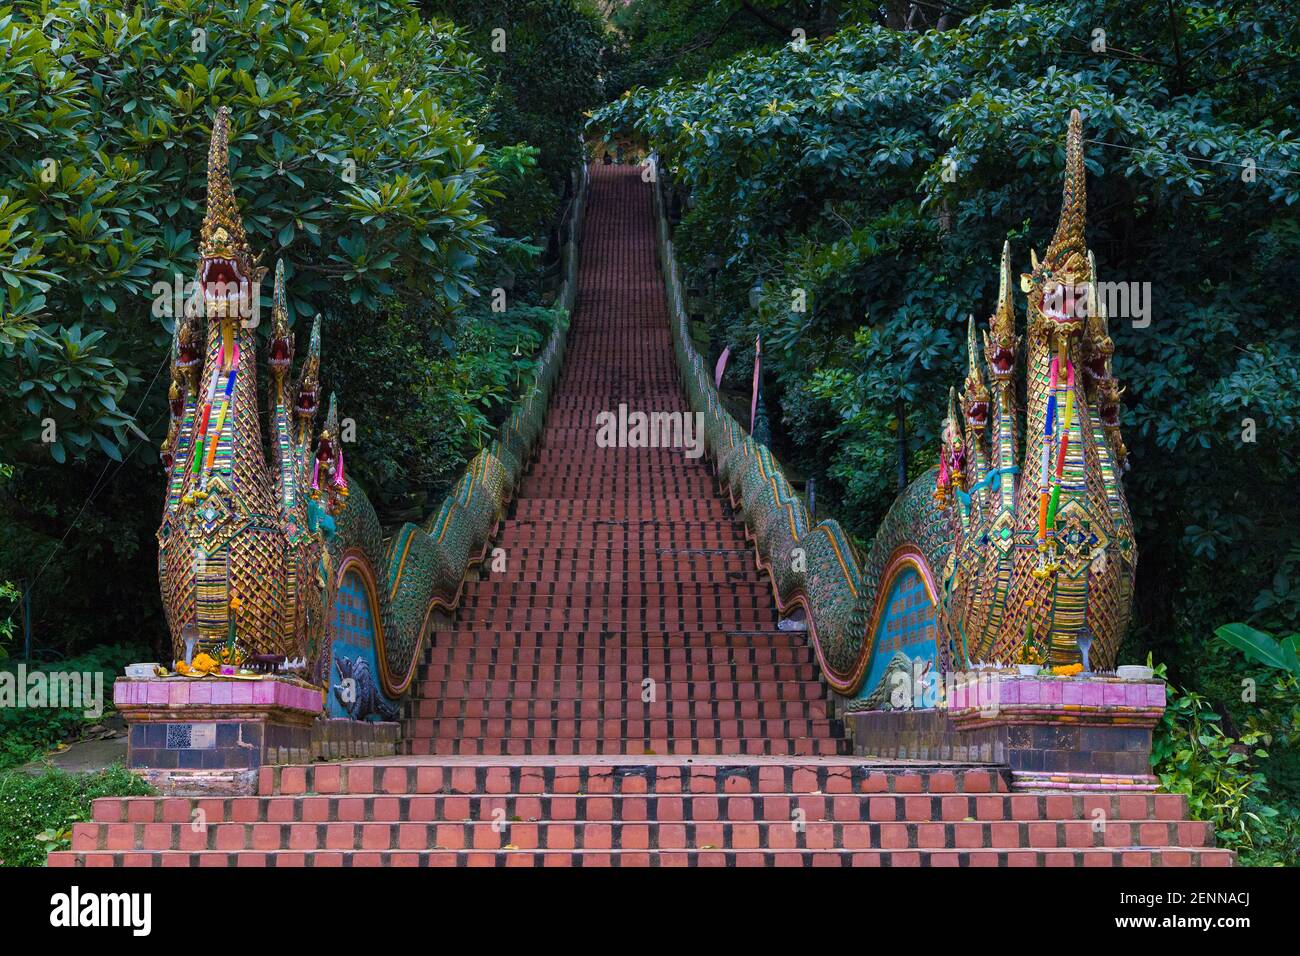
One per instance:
[(1258, 646)]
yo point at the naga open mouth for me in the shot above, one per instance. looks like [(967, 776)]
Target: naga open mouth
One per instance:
[(977, 413), (306, 404), (225, 289), (187, 356), (1003, 362), (281, 355)]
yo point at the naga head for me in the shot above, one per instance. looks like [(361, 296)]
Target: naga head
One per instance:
[(954, 445), (176, 405), (228, 274), (1058, 285), (187, 366), (308, 399), (189, 346), (329, 482), (1099, 349), (281, 357), (1000, 341), (952, 454), (975, 394)]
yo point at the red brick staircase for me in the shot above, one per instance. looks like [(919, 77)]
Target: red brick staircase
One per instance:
[(630, 811), (620, 695)]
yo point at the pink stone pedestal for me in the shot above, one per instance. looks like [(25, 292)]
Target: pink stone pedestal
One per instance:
[(1054, 733), (212, 735)]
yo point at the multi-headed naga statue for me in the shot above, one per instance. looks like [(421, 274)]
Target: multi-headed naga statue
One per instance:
[(1022, 530), (286, 558), (1040, 541)]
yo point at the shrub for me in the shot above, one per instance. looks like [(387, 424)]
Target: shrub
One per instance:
[(37, 812), (28, 732), (1223, 777)]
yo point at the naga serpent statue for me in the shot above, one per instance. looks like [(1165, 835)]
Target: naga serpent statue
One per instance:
[(287, 558), (1021, 531)]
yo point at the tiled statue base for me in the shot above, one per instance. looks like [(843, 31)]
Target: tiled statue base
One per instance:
[(212, 735), (1064, 733)]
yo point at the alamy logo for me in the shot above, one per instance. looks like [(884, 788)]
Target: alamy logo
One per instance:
[(72, 690), (75, 909), (1122, 300), (624, 429)]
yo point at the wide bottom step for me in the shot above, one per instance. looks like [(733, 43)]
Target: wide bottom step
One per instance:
[(498, 831), (1115, 857)]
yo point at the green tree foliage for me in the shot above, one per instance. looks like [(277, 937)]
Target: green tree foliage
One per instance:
[(368, 154), (9, 595), (544, 59), (434, 397), (27, 733), (683, 39), (349, 161), (823, 169), (1221, 770), (1261, 648)]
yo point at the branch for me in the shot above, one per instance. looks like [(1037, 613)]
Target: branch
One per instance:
[(702, 44), (767, 19)]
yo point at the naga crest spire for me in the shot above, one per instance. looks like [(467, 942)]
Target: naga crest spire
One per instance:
[(1057, 286), (1000, 342), (227, 266), (1068, 248), (281, 358), (308, 397), (975, 394)]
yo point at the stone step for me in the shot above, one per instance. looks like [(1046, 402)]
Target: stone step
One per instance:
[(615, 710), (1018, 808), (571, 650), (503, 833), (463, 728), (655, 617), (504, 688), (635, 774), (717, 532), (723, 592), (606, 571), (1103, 857), (417, 744), (622, 676), (769, 637), (647, 510)]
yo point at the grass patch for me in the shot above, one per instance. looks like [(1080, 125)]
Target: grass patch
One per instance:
[(37, 812)]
